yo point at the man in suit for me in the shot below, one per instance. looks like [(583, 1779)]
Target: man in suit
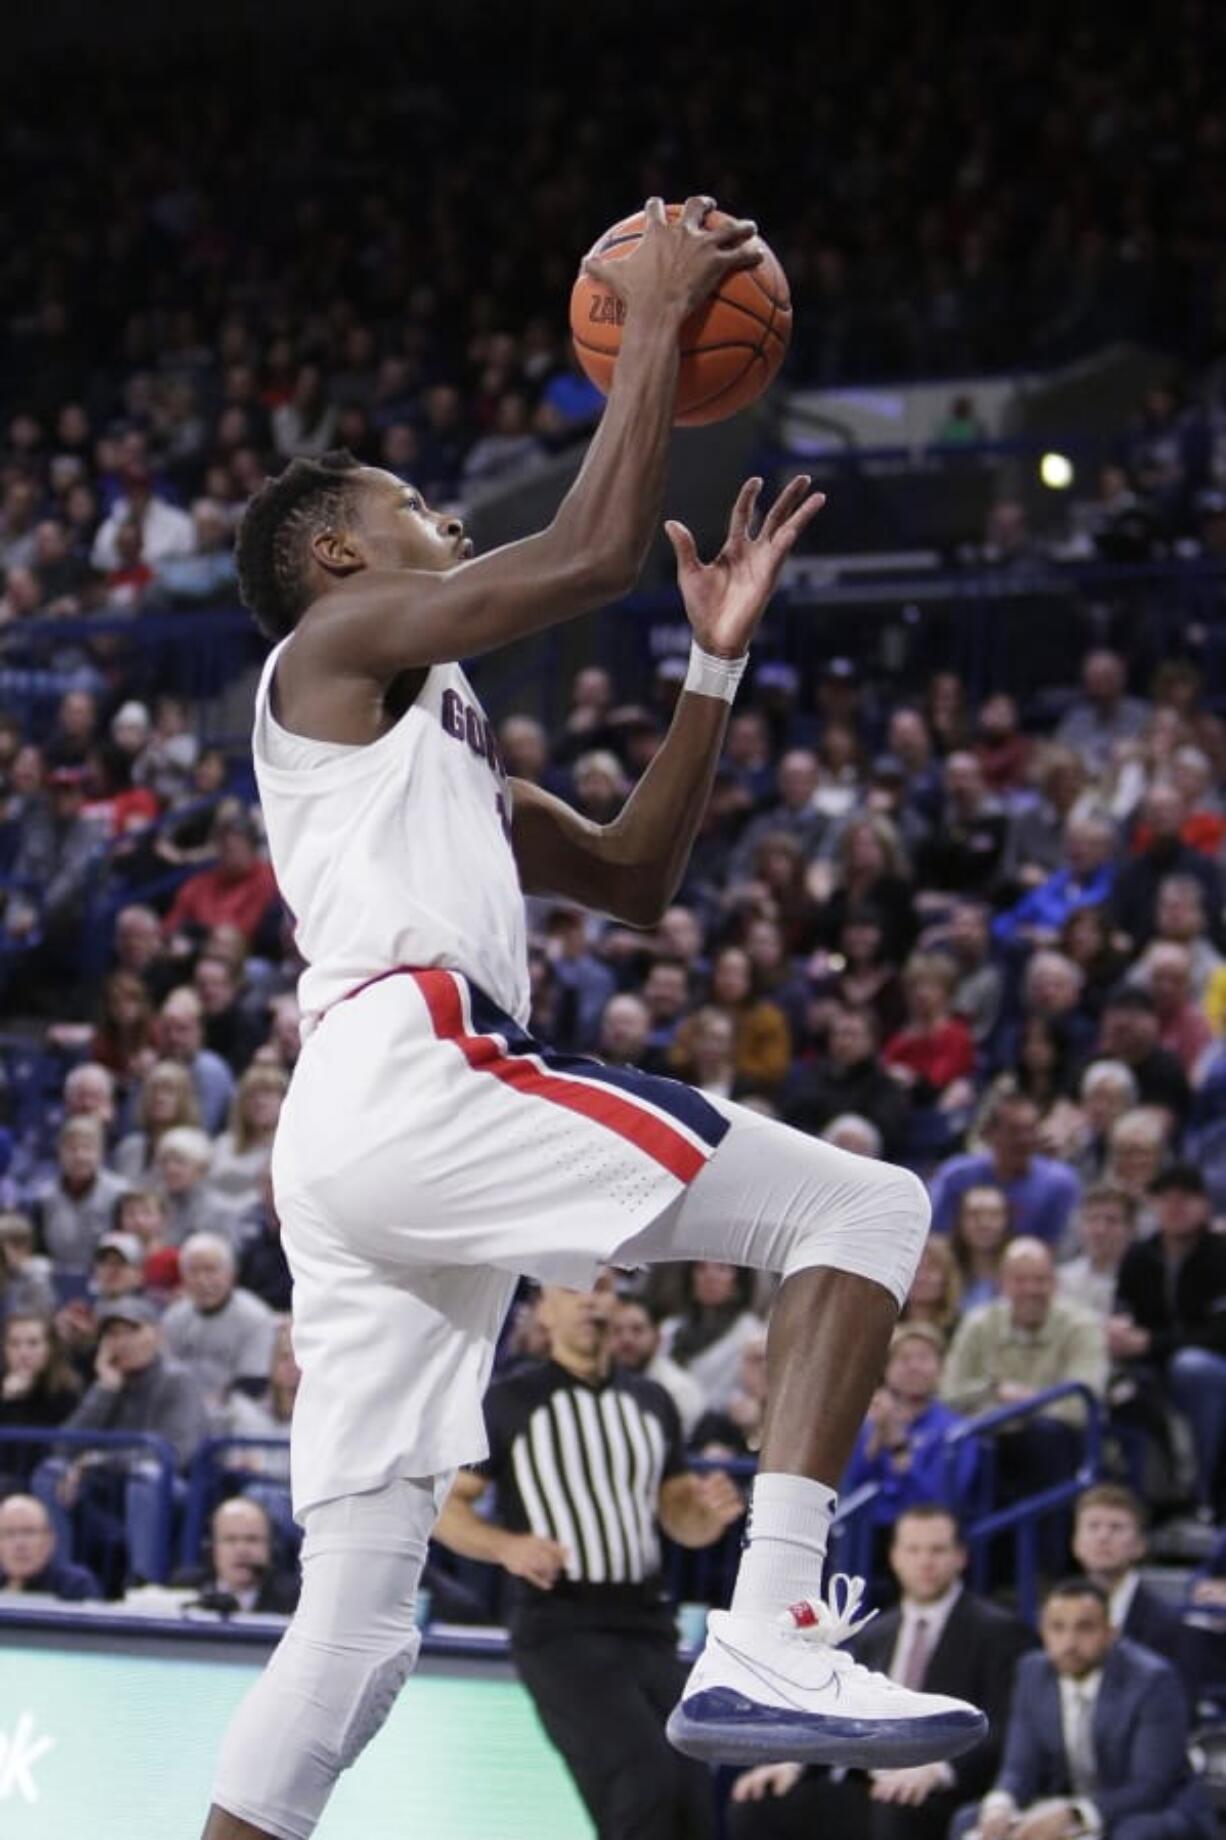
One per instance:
[(1097, 1739), (941, 1637), (1109, 1545)]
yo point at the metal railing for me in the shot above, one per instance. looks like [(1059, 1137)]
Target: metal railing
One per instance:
[(205, 1477), (52, 1442), (697, 1575), (983, 1523)]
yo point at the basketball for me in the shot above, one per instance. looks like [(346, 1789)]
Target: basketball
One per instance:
[(731, 346)]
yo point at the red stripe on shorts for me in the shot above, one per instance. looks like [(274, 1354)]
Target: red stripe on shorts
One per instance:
[(483, 1054)]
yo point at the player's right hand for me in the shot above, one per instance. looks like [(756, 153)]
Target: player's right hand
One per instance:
[(767, 1779), (536, 1560), (676, 266)]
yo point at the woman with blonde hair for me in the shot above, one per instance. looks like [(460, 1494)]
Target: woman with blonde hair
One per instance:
[(167, 1100), (241, 1153)]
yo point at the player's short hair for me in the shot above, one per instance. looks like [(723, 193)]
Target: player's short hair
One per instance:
[(271, 547)]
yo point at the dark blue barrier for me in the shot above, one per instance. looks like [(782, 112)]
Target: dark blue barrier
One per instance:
[(53, 1441), (189, 654), (694, 1575), (206, 1477), (983, 1522), (1018, 626)]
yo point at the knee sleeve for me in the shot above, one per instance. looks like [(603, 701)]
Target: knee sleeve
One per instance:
[(337, 1672), (309, 1716), (872, 1224)]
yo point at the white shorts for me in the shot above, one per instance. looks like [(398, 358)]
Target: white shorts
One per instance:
[(430, 1153)]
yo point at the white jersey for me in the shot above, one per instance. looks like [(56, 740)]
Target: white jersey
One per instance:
[(396, 853)]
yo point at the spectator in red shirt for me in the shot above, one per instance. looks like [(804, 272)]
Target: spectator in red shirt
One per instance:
[(934, 1054), (117, 809), (238, 891)]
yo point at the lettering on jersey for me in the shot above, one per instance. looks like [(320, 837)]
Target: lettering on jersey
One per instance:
[(464, 723)]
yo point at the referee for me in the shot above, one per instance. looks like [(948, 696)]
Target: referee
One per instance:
[(588, 1465)]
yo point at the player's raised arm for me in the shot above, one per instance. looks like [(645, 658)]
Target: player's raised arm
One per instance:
[(387, 619), (632, 867)]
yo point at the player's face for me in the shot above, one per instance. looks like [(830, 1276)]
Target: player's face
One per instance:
[(399, 530)]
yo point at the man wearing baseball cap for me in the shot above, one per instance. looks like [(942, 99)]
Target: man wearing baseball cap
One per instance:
[(136, 1388), (117, 1268), (115, 1271), (1169, 1326)]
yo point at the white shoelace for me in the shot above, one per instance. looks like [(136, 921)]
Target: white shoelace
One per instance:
[(835, 1618)]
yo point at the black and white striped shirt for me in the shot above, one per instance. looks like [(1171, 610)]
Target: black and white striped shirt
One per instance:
[(582, 1464)]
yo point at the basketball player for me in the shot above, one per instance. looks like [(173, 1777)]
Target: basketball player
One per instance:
[(430, 1151)]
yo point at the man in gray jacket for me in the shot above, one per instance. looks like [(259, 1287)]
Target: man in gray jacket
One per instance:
[(221, 1333), (78, 1207), (137, 1388)]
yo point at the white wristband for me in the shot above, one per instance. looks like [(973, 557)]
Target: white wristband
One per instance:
[(711, 676)]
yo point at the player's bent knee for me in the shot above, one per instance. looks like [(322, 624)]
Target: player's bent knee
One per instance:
[(334, 1699), (874, 1228)]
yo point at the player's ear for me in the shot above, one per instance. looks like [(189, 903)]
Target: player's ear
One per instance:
[(337, 552)]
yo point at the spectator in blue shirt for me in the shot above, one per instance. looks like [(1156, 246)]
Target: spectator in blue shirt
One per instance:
[(1085, 881), (1041, 1192), (901, 1441)]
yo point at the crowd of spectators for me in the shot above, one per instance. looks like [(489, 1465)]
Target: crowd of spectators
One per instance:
[(201, 283), (985, 940), (1011, 980)]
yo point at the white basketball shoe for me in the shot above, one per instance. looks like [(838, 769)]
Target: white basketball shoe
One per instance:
[(764, 1689)]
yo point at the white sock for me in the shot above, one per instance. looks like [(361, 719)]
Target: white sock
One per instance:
[(785, 1543)]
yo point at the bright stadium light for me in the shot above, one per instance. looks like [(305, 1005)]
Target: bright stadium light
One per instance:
[(1056, 472)]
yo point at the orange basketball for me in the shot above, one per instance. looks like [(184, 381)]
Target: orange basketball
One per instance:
[(731, 347)]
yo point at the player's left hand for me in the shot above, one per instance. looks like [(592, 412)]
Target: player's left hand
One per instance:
[(726, 598)]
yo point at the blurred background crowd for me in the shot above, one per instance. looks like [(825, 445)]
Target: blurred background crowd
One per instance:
[(977, 932), (236, 272)]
